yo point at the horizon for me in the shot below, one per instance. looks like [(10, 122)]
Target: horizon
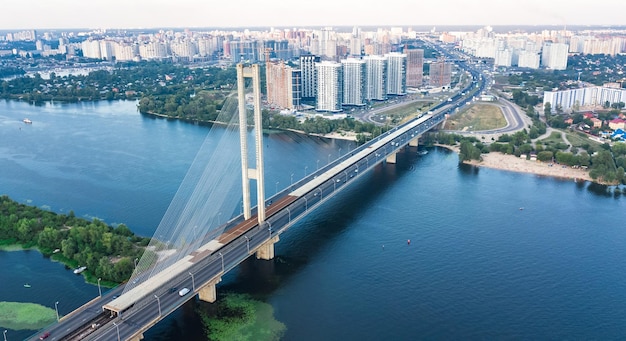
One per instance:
[(418, 28)]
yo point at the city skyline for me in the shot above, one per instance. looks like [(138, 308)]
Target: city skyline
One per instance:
[(57, 14)]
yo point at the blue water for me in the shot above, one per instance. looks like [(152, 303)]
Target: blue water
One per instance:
[(477, 267)]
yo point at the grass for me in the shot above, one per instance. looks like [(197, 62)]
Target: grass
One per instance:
[(554, 138), (25, 316), (405, 112), (577, 140), (478, 117)]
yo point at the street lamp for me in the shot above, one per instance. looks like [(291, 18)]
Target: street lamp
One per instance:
[(219, 215), (222, 256), (339, 152), (305, 168), (5, 335), (118, 331), (99, 290), (159, 303), (318, 164), (247, 243), (291, 180), (328, 158), (56, 308), (276, 187), (270, 228), (193, 282)]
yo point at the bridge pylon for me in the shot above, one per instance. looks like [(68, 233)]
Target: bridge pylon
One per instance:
[(248, 173)]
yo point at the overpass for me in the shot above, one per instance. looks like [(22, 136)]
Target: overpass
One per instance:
[(128, 315)]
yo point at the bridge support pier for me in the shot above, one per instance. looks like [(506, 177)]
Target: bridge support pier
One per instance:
[(136, 337), (266, 251), (208, 292), (391, 158), (414, 142)]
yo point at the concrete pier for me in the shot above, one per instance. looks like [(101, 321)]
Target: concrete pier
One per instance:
[(413, 142), (208, 292), (266, 250), (391, 158)]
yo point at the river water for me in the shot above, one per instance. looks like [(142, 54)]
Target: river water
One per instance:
[(492, 254)]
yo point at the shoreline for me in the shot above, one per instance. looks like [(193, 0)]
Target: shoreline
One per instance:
[(513, 163)]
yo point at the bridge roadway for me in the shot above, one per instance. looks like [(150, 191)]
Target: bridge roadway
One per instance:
[(129, 315)]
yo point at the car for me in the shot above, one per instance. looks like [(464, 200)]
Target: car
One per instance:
[(183, 292), (173, 289), (44, 336)]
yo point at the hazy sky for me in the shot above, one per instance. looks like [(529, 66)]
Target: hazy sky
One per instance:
[(225, 13)]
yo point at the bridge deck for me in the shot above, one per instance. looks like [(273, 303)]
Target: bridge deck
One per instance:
[(248, 224)]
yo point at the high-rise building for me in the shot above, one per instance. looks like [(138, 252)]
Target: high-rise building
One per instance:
[(440, 74), (375, 78), (244, 50), (353, 81), (396, 73), (125, 51), (91, 49), (503, 58), (329, 86), (528, 59), (309, 79), (153, 50), (414, 67), (283, 86), (554, 56), (107, 49)]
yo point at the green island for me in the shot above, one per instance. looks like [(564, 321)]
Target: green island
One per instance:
[(108, 252), (25, 316), (240, 317)]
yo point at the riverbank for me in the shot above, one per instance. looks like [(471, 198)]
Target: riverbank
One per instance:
[(90, 278), (515, 164), (343, 135)]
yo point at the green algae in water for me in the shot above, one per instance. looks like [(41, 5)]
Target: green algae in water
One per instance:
[(25, 316), (239, 317)]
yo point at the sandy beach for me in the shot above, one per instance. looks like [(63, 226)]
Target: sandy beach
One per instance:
[(516, 164)]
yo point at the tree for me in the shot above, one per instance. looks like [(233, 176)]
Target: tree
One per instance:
[(547, 109), (544, 156)]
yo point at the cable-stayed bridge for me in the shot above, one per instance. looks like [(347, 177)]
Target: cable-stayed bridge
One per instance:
[(192, 250)]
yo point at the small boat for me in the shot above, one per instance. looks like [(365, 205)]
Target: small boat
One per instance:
[(26, 285), (27, 121), (422, 152), (79, 270)]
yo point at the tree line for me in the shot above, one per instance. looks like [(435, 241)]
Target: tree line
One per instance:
[(108, 252)]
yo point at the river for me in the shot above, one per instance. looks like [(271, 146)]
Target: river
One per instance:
[(492, 254)]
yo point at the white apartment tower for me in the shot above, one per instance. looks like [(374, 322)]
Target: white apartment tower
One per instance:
[(329, 86), (554, 56), (396, 73), (375, 78), (528, 59), (353, 81)]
